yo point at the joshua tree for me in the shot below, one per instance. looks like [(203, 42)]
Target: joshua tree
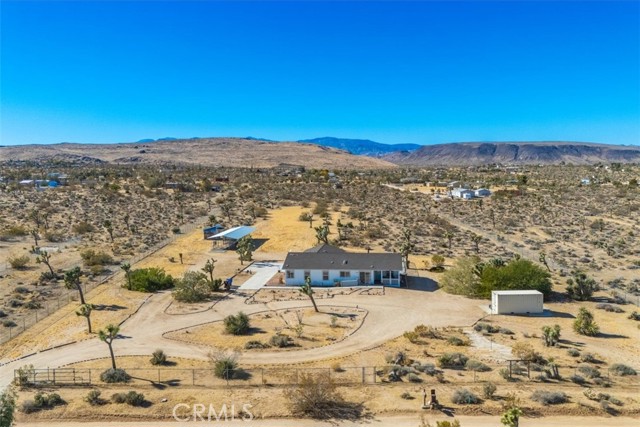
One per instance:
[(107, 335), (322, 234), (126, 267), (244, 248), (407, 245), (476, 239), (449, 236), (551, 335), (208, 268), (109, 227), (72, 281), (45, 258), (307, 290), (85, 310), (543, 260), (36, 236)]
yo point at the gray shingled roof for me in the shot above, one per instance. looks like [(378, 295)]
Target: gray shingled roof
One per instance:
[(326, 257)]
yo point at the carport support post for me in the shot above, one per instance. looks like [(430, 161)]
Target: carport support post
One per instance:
[(193, 377), (363, 375)]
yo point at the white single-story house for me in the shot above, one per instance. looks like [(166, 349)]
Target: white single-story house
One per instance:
[(329, 265), (585, 181), (482, 192), (462, 193), (517, 302)]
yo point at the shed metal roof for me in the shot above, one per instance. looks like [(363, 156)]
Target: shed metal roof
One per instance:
[(235, 233), (518, 292)]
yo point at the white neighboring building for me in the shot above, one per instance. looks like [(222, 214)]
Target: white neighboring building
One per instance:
[(482, 192), (328, 265), (462, 193), (517, 302)]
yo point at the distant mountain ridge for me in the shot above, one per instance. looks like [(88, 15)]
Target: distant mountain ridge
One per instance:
[(360, 147), (534, 152)]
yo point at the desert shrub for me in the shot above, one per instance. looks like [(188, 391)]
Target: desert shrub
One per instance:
[(119, 397), (19, 262), (412, 337), (578, 379), (115, 376), (54, 236), (149, 280), (602, 382), (476, 365), (506, 331), (505, 374), (622, 370), (225, 364), (83, 228), (573, 352), (133, 398), (452, 360), (524, 351), (254, 345), (581, 287), (585, 323), (406, 395), (158, 357), (461, 279), (457, 341), (588, 358), (21, 290), (488, 390), (336, 367), (281, 341), (589, 371), (634, 315), (91, 257), (193, 287), (486, 327), (316, 396), (549, 397), (2, 314), (13, 232), (609, 308), (9, 324), (517, 274), (29, 407), (427, 368), (237, 324), (427, 332), (305, 216), (414, 378), (33, 305), (551, 335), (464, 397), (42, 401), (93, 398)]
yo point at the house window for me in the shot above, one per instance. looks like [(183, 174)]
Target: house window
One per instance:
[(307, 273), (325, 275), (291, 274), (385, 274), (344, 274), (394, 275)]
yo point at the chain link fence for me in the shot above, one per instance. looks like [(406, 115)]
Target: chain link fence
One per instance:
[(66, 296)]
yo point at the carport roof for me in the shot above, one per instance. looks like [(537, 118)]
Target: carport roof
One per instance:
[(235, 233)]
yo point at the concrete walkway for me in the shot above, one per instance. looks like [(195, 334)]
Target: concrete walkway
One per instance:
[(261, 272)]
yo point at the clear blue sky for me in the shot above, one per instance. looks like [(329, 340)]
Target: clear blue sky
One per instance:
[(421, 72)]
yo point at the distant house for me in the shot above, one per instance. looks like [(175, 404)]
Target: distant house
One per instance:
[(26, 182), (482, 192), (462, 193), (585, 181), (329, 265)]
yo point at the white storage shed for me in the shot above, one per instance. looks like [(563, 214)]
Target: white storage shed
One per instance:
[(516, 302)]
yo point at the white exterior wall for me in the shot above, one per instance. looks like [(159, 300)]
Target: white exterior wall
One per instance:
[(516, 303), (334, 275)]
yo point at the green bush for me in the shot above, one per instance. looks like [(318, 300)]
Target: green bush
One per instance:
[(488, 390), (457, 341), (237, 324), (119, 397), (517, 274), (133, 398), (115, 376), (452, 360), (254, 344), (149, 280), (19, 262), (42, 401), (91, 258), (589, 371), (464, 397), (622, 370), (585, 323), (225, 367), (193, 287)]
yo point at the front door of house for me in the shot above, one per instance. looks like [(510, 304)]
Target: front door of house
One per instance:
[(365, 277), (377, 277)]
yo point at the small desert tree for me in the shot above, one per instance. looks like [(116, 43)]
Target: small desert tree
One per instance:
[(406, 246), (45, 258), (192, 287), (585, 323), (581, 287), (85, 311), (543, 259), (449, 236), (322, 233), (208, 268), (36, 235), (126, 267), (314, 396), (107, 335), (72, 281), (476, 239), (511, 417), (551, 335), (244, 248), (307, 290), (109, 227)]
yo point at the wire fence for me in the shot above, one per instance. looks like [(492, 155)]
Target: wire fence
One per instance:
[(506, 372), (47, 308)]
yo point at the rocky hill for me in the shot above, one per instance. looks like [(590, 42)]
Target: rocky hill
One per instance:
[(363, 147), (479, 153), (233, 152)]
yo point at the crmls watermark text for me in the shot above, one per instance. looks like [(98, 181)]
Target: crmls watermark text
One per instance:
[(201, 412)]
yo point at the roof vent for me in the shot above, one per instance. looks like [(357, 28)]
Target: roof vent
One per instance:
[(345, 262)]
